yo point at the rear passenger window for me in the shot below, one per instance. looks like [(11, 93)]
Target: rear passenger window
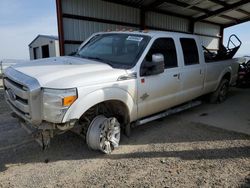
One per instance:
[(166, 47), (190, 51)]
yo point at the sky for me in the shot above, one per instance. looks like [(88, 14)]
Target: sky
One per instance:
[(243, 32), (22, 20)]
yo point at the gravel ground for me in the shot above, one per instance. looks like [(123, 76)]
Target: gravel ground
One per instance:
[(172, 152)]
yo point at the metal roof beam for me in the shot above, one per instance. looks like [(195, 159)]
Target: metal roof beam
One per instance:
[(193, 7), (243, 12), (229, 18), (122, 3), (225, 4), (186, 5), (153, 8), (219, 2), (222, 10), (239, 22), (154, 4)]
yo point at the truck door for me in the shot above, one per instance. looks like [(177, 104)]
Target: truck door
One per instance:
[(157, 92), (192, 73)]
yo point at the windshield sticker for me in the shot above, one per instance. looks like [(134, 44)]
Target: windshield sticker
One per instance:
[(133, 38)]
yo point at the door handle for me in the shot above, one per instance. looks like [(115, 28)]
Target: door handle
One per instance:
[(177, 75)]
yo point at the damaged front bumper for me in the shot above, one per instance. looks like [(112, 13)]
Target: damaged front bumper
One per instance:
[(44, 132)]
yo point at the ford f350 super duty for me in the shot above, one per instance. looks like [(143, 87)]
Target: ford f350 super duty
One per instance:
[(114, 80)]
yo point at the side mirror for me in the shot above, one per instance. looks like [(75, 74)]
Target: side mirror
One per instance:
[(156, 66), (157, 58), (159, 66)]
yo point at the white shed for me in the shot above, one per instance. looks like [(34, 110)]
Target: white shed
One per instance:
[(44, 46)]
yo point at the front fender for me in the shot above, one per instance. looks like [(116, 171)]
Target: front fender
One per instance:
[(86, 102)]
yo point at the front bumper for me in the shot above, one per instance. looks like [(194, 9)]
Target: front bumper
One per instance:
[(44, 132)]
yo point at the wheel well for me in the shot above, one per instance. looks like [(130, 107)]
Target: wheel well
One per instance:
[(227, 76), (108, 108)]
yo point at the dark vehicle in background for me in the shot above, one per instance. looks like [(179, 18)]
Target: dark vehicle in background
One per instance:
[(244, 72)]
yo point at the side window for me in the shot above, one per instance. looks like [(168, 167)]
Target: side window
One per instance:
[(190, 51), (165, 46)]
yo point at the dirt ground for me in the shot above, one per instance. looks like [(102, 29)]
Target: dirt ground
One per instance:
[(182, 150)]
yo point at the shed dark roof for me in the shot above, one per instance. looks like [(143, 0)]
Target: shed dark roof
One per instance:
[(52, 37), (221, 12)]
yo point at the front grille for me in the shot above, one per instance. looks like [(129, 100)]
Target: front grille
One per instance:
[(17, 96), (22, 93)]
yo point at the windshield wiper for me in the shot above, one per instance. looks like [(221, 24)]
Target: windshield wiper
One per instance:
[(99, 59)]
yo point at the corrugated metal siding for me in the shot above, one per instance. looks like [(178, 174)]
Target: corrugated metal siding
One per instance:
[(209, 42), (174, 8), (166, 22), (101, 9), (208, 29), (80, 30), (69, 48)]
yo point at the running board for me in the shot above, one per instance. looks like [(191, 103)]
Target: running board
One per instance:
[(168, 112)]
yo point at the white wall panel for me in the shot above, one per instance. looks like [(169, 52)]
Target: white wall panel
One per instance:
[(101, 9), (208, 29), (166, 22), (69, 48), (80, 30), (209, 42)]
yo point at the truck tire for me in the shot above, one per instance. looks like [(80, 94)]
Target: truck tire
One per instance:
[(103, 134), (220, 94)]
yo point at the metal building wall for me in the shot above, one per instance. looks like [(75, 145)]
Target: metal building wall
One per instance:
[(101, 9), (77, 29), (80, 30), (81, 18), (209, 35), (156, 20)]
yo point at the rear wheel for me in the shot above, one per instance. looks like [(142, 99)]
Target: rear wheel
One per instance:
[(103, 134), (220, 95)]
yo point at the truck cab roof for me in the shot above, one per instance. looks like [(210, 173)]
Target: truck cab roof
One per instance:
[(152, 33)]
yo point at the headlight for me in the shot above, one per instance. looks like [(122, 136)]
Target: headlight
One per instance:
[(56, 102)]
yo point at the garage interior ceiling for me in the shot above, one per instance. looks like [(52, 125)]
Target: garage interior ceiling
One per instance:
[(225, 13)]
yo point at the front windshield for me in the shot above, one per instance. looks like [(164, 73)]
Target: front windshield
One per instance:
[(117, 50)]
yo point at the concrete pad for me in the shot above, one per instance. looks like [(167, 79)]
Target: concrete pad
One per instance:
[(233, 114)]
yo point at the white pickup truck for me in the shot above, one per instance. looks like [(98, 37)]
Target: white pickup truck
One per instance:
[(115, 80)]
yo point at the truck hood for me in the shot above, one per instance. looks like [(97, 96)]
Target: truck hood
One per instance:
[(68, 72)]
